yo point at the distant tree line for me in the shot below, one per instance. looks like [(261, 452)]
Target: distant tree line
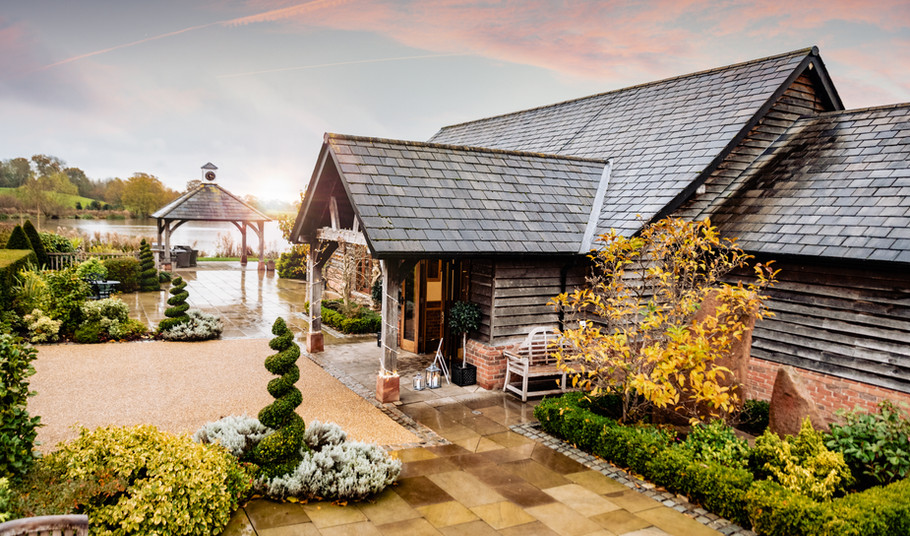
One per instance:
[(42, 182)]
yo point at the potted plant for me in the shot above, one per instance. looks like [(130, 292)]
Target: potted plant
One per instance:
[(464, 317)]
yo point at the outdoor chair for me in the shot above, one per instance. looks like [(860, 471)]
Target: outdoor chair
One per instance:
[(532, 359)]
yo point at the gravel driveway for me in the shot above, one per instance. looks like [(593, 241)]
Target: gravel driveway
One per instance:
[(180, 386)]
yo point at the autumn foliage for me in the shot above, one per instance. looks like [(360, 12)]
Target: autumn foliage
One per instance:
[(637, 335)]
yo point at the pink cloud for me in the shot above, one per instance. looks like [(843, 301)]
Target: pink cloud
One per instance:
[(597, 40)]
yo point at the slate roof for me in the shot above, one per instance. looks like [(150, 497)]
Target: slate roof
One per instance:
[(423, 198), (209, 202), (834, 185), (661, 135)]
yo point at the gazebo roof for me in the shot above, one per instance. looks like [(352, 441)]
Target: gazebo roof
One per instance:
[(209, 202)]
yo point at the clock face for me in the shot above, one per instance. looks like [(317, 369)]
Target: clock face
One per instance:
[(210, 175)]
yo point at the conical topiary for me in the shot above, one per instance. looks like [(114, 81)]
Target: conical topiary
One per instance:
[(18, 239), (280, 453), (35, 239), (148, 276), (176, 313)]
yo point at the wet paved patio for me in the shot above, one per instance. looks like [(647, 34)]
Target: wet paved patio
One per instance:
[(473, 474)]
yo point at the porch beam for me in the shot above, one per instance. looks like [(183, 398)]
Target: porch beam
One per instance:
[(347, 236)]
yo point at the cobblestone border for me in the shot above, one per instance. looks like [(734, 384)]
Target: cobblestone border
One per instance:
[(676, 502), (428, 438)]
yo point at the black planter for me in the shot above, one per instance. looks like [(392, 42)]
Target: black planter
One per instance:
[(463, 376)]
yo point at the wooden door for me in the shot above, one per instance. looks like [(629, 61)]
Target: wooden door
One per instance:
[(409, 316)]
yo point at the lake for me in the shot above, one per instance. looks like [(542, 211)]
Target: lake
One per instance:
[(200, 235)]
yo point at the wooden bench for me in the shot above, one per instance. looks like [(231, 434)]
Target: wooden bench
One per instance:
[(67, 525), (532, 358)]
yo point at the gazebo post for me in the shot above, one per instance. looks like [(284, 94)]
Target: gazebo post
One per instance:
[(314, 340), (167, 245), (243, 243)]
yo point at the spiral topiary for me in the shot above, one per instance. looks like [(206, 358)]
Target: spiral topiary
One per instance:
[(280, 453), (176, 313), (148, 276), (35, 239)]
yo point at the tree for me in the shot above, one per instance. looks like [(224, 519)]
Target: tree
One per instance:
[(148, 276), (293, 263), (113, 191), (47, 165), (14, 172), (280, 453), (83, 184), (35, 240), (176, 313), (637, 336), (144, 194), (46, 193)]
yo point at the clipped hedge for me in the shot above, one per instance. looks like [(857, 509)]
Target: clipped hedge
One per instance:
[(11, 261), (731, 492), (367, 321), (125, 270)]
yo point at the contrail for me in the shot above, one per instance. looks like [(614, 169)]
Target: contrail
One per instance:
[(266, 16), (353, 62), (125, 45)]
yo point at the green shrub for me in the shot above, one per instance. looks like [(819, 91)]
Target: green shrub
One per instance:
[(54, 243), (801, 464), (717, 442), (18, 430), (45, 490), (753, 419), (125, 270), (176, 313), (280, 453), (148, 279), (92, 268), (35, 240), (173, 486), (5, 499), (41, 328), (876, 445), (292, 264), (66, 294), (18, 239), (165, 277), (107, 319)]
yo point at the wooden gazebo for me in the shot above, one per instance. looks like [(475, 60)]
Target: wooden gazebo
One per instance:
[(210, 202)]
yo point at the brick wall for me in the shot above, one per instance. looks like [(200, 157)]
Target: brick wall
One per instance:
[(829, 392), (490, 363)]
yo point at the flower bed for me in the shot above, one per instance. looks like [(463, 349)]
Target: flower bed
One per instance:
[(733, 485)]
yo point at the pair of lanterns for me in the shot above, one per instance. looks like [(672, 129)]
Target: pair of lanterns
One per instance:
[(432, 378)]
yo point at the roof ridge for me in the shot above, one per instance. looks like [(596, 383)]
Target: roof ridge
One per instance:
[(471, 148), (804, 51)]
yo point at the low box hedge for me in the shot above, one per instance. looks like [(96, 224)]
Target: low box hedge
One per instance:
[(727, 491)]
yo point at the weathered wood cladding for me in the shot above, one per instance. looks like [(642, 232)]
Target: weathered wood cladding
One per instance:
[(799, 100), (513, 293), (849, 322)]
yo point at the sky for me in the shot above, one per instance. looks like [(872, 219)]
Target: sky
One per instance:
[(116, 87)]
